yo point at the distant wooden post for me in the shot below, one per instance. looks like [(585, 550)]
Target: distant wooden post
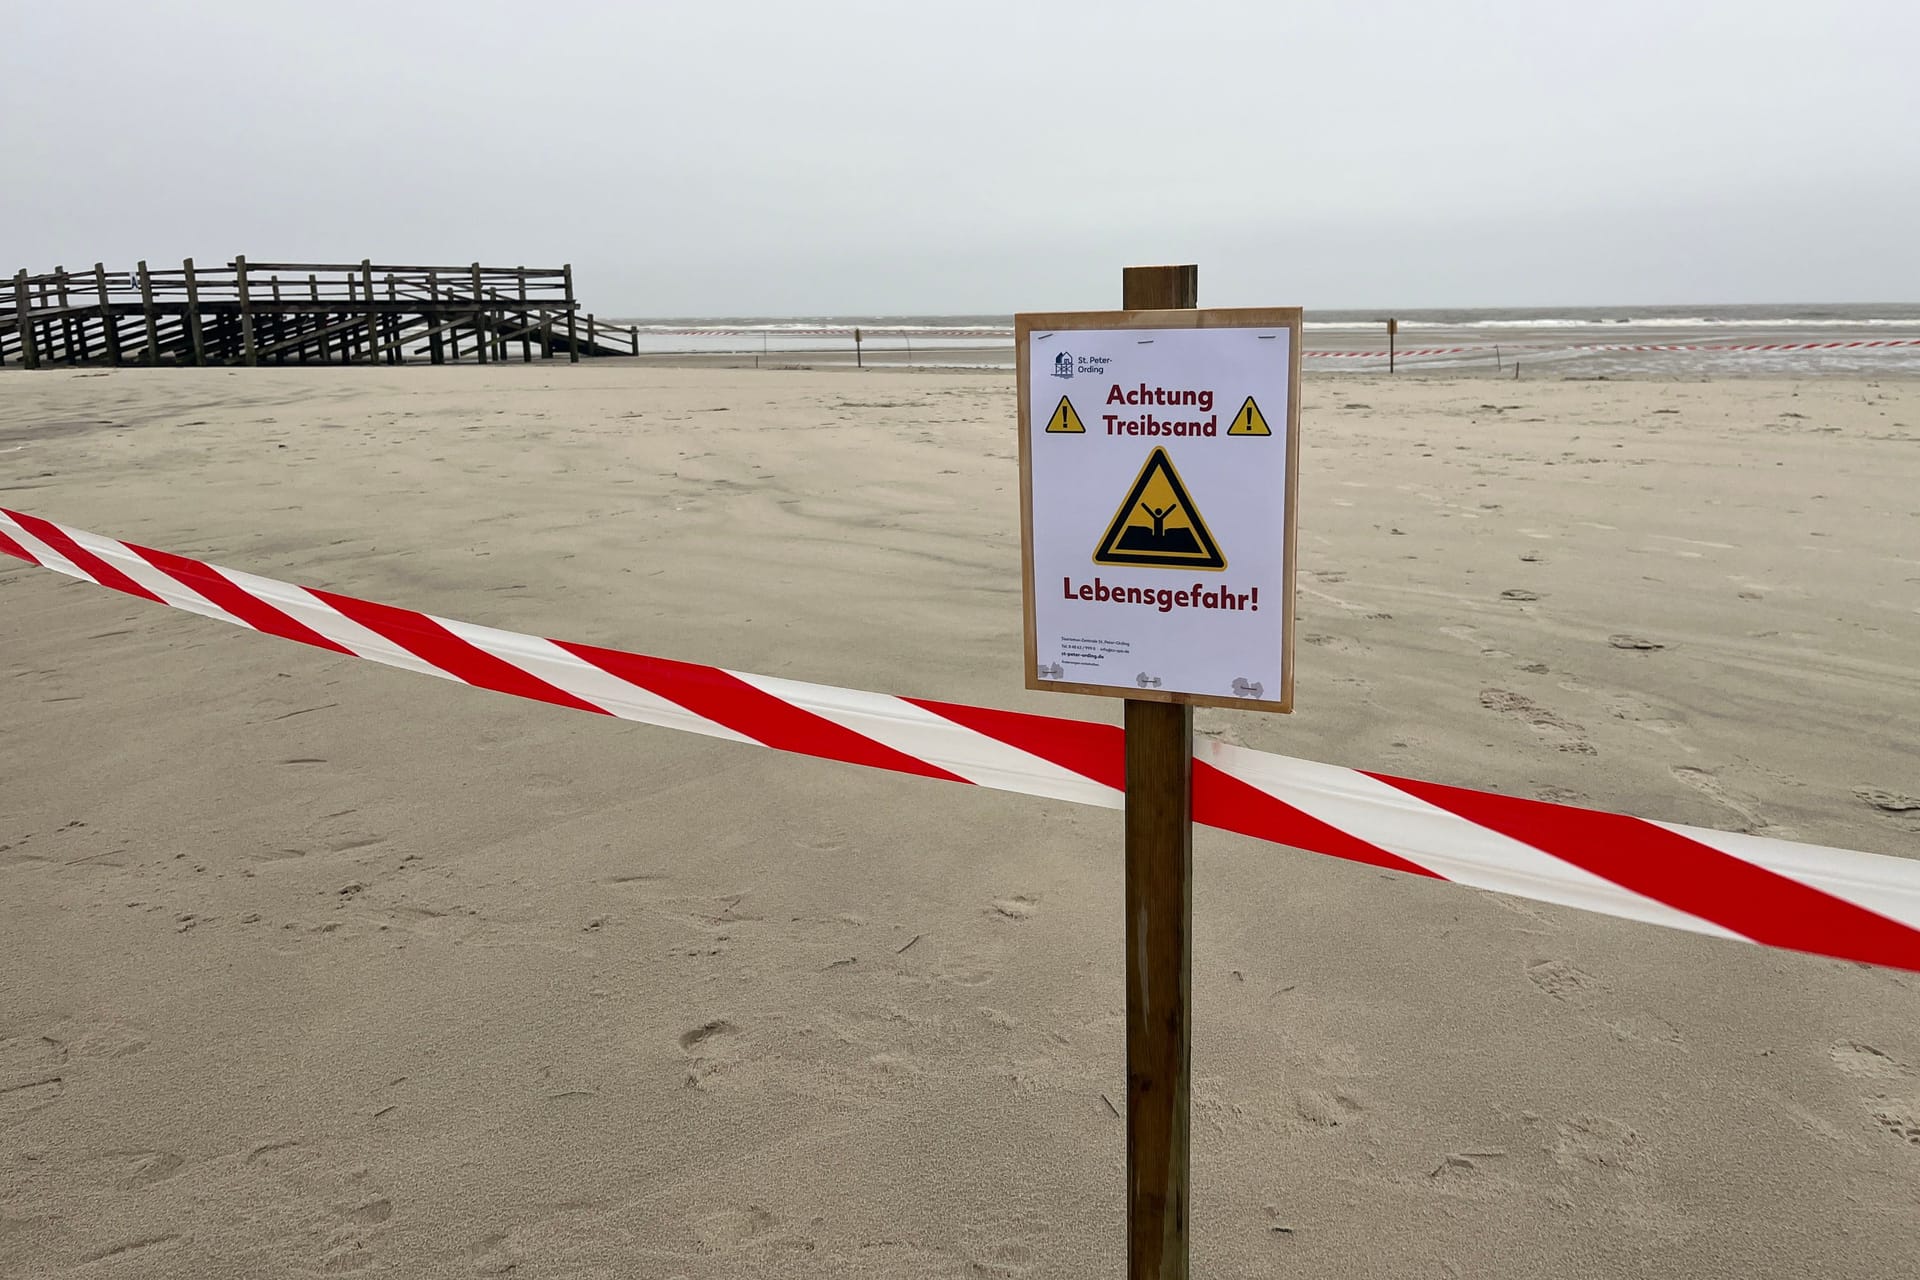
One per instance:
[(193, 314), (436, 350), (633, 336), (593, 334), (573, 331), (479, 320), (526, 317), (392, 325), (248, 351), (320, 322), (279, 326), (546, 333), (858, 362), (22, 308), (153, 318), (1159, 927), (47, 349), (109, 323), (74, 353), (1393, 330), (373, 317)]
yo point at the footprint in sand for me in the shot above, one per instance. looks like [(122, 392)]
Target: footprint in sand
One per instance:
[(1900, 1119), (1888, 801), (1328, 1108), (1564, 734), (715, 1049), (1864, 1062), (733, 1229), (1563, 982), (1019, 907), (1752, 820)]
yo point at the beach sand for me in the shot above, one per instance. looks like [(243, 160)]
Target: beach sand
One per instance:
[(319, 967)]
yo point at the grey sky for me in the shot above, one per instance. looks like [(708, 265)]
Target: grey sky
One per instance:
[(710, 158)]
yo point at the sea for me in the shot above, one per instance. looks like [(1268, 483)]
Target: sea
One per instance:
[(1781, 340)]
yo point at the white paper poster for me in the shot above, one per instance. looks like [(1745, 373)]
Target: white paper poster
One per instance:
[(1158, 462)]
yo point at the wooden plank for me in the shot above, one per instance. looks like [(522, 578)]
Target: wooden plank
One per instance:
[(373, 317), (1159, 927), (76, 352), (44, 326), (573, 330), (249, 351), (193, 315), (22, 308), (436, 349), (479, 338), (109, 323), (526, 332), (153, 318)]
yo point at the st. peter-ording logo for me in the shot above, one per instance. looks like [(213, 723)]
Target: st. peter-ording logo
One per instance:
[(1063, 365)]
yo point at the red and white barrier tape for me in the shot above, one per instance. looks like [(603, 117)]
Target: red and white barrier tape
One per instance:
[(1831, 902), (1590, 347)]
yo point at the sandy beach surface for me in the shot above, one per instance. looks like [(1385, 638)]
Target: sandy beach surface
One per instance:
[(315, 967)]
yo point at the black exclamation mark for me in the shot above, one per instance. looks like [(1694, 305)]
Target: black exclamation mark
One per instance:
[(1256, 599)]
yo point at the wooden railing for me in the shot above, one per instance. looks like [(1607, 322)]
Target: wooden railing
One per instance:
[(246, 312)]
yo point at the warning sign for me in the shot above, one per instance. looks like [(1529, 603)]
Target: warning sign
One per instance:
[(1065, 421), (1159, 552), (1249, 421), (1158, 526)]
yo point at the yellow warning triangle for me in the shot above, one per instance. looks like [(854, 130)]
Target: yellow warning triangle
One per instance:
[(1249, 421), (1157, 525), (1065, 421)]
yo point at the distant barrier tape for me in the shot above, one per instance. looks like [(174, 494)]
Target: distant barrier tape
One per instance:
[(1591, 347), (1403, 353), (1831, 902)]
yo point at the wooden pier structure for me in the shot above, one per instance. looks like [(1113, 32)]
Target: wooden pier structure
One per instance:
[(253, 313)]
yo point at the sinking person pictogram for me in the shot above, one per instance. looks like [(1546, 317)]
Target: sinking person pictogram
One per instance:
[(1158, 526)]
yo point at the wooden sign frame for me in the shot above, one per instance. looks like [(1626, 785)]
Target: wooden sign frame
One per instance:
[(1288, 318)]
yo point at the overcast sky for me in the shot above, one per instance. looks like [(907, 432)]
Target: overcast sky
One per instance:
[(706, 158)]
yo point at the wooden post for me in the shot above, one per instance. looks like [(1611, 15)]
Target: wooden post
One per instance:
[(394, 355), (546, 334), (22, 307), (109, 323), (436, 350), (47, 349), (279, 325), (633, 336), (858, 362), (193, 314), (373, 317), (1393, 332), (1159, 963), (319, 320), (248, 351), (66, 321), (153, 318), (593, 335), (573, 329), (526, 318), (479, 334)]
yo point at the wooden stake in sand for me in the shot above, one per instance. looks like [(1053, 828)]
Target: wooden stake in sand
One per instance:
[(1114, 407), (1393, 332), (1159, 826)]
